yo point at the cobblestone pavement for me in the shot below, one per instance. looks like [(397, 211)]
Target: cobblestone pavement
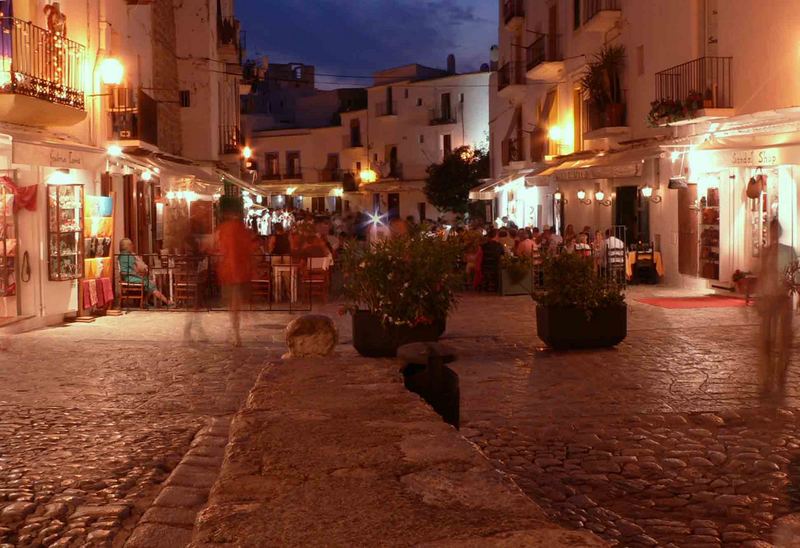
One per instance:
[(95, 417), (662, 441)]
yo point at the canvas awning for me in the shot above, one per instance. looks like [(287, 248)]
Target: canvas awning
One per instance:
[(225, 176), (310, 190), (627, 163), (393, 186), (487, 190)]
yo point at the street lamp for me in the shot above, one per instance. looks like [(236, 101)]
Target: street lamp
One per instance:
[(112, 72), (368, 176), (247, 153)]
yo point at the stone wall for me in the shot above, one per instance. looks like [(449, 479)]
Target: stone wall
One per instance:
[(165, 76)]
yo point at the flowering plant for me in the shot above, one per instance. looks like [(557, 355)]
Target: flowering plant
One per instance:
[(407, 280), (571, 280)]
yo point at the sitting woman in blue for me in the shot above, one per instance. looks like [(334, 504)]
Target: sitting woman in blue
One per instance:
[(133, 270)]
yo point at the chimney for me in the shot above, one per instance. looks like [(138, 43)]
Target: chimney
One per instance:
[(265, 62), (451, 64)]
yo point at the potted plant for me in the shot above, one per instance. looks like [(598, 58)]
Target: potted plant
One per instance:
[(601, 83), (400, 290), (576, 307), (516, 275)]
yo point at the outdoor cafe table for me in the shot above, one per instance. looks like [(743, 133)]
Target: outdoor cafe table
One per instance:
[(631, 262)]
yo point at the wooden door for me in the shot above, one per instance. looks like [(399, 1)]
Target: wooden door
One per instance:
[(687, 231)]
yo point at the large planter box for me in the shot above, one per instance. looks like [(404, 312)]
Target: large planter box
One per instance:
[(373, 339), (523, 287), (565, 328)]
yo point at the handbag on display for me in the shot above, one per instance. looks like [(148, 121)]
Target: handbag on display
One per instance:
[(755, 186)]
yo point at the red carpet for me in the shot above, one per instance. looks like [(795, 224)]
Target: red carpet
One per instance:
[(709, 301)]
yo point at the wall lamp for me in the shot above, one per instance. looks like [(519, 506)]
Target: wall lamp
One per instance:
[(582, 197), (600, 198), (647, 193)]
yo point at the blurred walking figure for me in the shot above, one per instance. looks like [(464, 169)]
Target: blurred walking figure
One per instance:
[(775, 309), (236, 248)]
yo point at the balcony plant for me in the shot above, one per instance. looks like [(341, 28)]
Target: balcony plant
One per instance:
[(602, 84), (400, 290), (577, 307), (667, 111)]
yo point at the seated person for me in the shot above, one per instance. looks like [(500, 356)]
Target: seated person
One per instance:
[(132, 269)]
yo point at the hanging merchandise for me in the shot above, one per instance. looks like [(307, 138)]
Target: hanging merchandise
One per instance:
[(754, 187)]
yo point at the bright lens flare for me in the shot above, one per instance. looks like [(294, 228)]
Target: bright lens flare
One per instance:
[(112, 72)]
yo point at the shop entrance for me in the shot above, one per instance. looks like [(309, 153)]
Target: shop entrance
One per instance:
[(632, 213), (687, 230), (393, 201)]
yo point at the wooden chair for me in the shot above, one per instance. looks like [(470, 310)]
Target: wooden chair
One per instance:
[(128, 291), (615, 264), (186, 282), (317, 277), (261, 283)]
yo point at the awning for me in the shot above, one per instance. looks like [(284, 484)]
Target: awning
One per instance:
[(241, 183), (176, 173), (627, 163), (393, 186), (40, 147), (487, 190), (310, 190)]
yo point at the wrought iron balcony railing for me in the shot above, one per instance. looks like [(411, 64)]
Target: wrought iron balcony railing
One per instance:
[(42, 64), (352, 141), (510, 74), (134, 116), (545, 49), (230, 139), (705, 81), (439, 116), (592, 7), (385, 109)]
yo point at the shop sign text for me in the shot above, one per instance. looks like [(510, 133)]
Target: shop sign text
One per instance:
[(65, 158), (763, 157)]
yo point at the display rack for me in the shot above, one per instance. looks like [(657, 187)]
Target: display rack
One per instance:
[(98, 239), (709, 235), (65, 232)]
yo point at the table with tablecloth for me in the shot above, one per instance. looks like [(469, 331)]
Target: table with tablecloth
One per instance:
[(631, 263)]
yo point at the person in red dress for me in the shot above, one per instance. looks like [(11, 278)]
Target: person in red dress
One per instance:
[(236, 246)]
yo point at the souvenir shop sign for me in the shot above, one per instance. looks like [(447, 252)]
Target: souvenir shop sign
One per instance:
[(57, 157), (633, 169), (757, 157)]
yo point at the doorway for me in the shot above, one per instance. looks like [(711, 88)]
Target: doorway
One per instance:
[(687, 231), (393, 204), (633, 213)]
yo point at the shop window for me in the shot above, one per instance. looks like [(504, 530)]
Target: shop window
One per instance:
[(8, 243)]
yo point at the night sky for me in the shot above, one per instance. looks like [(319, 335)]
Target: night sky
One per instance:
[(357, 37)]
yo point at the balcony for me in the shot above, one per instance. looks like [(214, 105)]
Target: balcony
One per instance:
[(270, 176), (41, 76), (511, 81), (296, 174), (514, 14), (229, 38), (352, 141), (134, 118), (385, 109), (439, 117), (230, 139), (328, 175), (694, 92), (545, 62), (601, 15), (511, 151)]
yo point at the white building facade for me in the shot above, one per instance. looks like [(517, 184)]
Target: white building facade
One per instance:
[(415, 116), (705, 102), (91, 100)]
